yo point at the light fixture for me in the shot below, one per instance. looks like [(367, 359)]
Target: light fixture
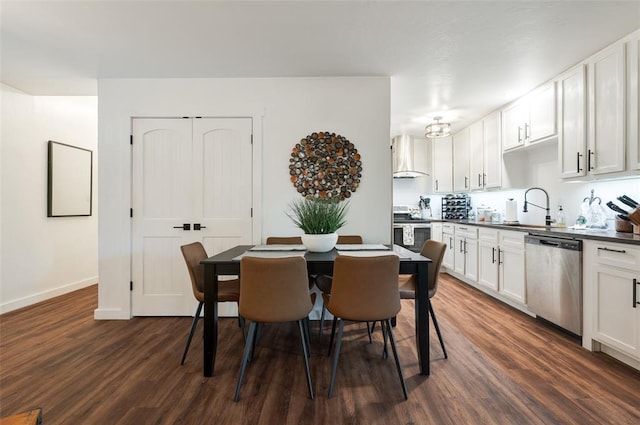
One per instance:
[(437, 129)]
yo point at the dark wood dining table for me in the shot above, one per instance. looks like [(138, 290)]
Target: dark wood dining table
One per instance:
[(226, 263)]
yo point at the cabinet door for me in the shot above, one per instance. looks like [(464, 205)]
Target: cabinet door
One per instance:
[(488, 265), (471, 259), (572, 126), (449, 257), (459, 254), (542, 114), (615, 318), (512, 279), (442, 165), (633, 122), (436, 232), (476, 152), (461, 161), (512, 126), (606, 111), (492, 151)]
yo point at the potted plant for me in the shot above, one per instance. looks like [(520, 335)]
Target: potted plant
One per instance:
[(319, 219)]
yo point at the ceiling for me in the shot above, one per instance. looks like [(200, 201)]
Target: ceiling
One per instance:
[(458, 60)]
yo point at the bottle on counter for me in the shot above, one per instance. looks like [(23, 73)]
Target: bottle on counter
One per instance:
[(560, 219)]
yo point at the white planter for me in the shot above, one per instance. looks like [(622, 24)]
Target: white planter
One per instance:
[(320, 243)]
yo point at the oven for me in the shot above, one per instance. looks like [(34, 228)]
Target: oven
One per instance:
[(411, 234)]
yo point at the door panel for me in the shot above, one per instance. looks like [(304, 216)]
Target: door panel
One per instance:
[(186, 171)]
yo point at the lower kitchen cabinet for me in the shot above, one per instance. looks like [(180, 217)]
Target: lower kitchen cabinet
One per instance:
[(448, 238), (436, 231), (501, 266), (612, 296), (466, 251)]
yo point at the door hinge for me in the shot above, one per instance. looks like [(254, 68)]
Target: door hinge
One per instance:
[(131, 285), (131, 212), (131, 139)]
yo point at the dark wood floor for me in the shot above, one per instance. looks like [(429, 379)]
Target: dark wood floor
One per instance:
[(503, 368)]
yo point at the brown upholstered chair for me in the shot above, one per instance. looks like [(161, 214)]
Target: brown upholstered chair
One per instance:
[(274, 290), (323, 282), (228, 290), (284, 240), (435, 251), (365, 289)]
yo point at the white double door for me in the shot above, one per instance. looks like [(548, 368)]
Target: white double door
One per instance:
[(191, 181)]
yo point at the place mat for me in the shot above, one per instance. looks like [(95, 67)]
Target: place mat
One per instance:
[(361, 247), (278, 247), (366, 253), (270, 254)]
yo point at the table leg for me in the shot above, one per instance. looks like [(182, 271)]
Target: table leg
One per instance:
[(422, 317), (210, 319)]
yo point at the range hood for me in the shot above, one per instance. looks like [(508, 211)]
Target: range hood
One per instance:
[(403, 164)]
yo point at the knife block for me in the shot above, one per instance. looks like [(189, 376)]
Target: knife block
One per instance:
[(624, 226)]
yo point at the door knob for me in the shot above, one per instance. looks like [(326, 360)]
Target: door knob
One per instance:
[(185, 226), (197, 226)]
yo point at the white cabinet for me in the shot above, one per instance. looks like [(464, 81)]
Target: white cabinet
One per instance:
[(612, 295), (501, 266), (461, 161), (485, 162), (448, 238), (511, 265), (606, 111), (466, 251), (488, 258), (530, 119), (633, 113), (572, 127), (436, 231), (442, 165)]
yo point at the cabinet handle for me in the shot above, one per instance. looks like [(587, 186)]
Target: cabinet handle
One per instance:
[(465, 181), (519, 134), (499, 257), (450, 242), (527, 132), (465, 246), (479, 179), (460, 245), (484, 180), (493, 255), (621, 251), (589, 167), (635, 292), (436, 184), (578, 156)]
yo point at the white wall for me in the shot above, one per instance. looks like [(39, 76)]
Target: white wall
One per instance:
[(284, 111), (42, 257)]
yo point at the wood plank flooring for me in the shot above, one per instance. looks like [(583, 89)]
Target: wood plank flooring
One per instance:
[(503, 368)]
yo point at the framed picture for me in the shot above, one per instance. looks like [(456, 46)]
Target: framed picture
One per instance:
[(70, 180)]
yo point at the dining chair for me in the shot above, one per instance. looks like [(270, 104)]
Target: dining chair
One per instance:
[(228, 290), (274, 290), (323, 282), (365, 289), (284, 240), (407, 282)]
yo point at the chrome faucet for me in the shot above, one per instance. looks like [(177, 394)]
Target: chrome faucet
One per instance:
[(547, 219)]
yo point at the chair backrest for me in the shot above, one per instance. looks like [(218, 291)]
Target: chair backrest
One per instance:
[(193, 253), (284, 240), (435, 251), (274, 289), (349, 239), (365, 288)]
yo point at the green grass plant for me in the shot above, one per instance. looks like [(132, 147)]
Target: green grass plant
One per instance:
[(317, 216)]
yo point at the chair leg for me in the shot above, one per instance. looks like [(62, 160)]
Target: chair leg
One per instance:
[(324, 309), (370, 331), (307, 335), (336, 356), (241, 325), (305, 353), (245, 358), (395, 354), (194, 324), (333, 332), (385, 351), (435, 323)]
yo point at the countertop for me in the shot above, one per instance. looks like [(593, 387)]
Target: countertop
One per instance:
[(607, 235)]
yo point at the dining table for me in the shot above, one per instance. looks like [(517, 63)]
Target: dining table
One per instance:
[(227, 263)]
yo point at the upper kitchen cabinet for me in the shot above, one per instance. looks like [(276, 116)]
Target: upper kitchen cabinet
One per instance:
[(485, 164), (633, 112), (572, 123), (530, 119), (442, 164), (460, 142), (606, 111)]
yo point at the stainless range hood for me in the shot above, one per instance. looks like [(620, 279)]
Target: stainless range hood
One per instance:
[(403, 164)]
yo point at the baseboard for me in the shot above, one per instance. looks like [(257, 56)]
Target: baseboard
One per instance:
[(111, 314), (45, 295)]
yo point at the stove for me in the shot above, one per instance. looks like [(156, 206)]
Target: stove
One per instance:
[(410, 230)]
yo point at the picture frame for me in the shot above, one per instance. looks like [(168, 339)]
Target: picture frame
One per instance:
[(70, 180)]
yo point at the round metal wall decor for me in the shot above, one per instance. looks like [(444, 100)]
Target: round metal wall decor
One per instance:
[(325, 165)]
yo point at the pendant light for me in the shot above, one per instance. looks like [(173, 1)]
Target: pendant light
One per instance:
[(437, 129)]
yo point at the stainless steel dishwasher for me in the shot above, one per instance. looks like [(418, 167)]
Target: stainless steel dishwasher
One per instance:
[(554, 280)]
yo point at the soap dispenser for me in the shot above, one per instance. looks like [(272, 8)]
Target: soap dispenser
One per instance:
[(560, 220)]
